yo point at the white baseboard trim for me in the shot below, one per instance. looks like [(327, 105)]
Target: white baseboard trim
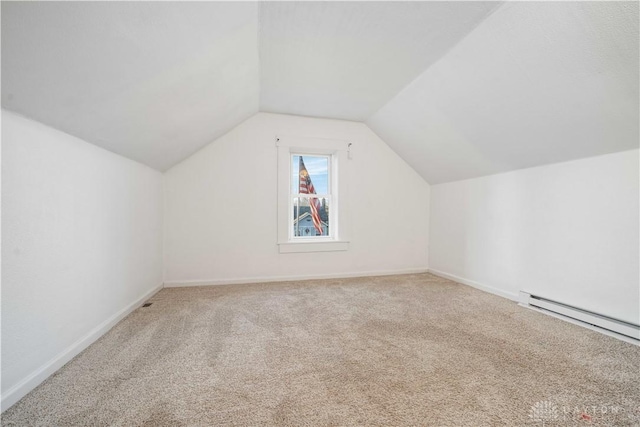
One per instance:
[(513, 296), (267, 279), (18, 391)]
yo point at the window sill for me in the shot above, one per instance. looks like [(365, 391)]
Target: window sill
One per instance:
[(293, 247)]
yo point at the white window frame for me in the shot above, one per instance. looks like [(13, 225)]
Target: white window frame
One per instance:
[(336, 150)]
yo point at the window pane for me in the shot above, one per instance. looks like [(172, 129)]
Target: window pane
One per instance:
[(318, 169), (306, 223)]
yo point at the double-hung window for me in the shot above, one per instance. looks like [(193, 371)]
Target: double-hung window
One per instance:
[(310, 197), (312, 194)]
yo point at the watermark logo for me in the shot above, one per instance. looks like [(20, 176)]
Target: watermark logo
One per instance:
[(549, 412), (544, 411)]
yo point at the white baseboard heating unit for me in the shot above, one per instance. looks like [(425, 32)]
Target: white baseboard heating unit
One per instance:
[(598, 320)]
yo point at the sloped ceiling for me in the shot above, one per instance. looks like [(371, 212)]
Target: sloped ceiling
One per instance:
[(536, 83), (153, 81), (345, 60), (458, 89)]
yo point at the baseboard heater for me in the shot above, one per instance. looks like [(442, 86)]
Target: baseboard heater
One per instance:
[(598, 320)]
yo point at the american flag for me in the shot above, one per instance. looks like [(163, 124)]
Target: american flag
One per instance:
[(306, 187)]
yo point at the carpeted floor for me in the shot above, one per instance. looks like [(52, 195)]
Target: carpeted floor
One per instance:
[(396, 350)]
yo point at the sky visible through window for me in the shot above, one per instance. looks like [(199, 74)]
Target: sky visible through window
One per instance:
[(318, 168)]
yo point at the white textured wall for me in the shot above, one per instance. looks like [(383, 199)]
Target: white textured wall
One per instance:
[(221, 212), (81, 241), (567, 231)]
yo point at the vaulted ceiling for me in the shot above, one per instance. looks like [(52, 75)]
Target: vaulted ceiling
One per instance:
[(458, 89)]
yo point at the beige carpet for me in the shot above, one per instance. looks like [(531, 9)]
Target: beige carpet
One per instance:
[(398, 350)]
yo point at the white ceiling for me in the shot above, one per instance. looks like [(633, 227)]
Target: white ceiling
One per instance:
[(345, 60), (536, 83), (458, 89), (153, 81)]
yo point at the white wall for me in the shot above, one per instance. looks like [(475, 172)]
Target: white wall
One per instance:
[(567, 231), (81, 243), (213, 196)]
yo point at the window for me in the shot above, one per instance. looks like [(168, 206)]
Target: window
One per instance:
[(310, 197), (311, 181)]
